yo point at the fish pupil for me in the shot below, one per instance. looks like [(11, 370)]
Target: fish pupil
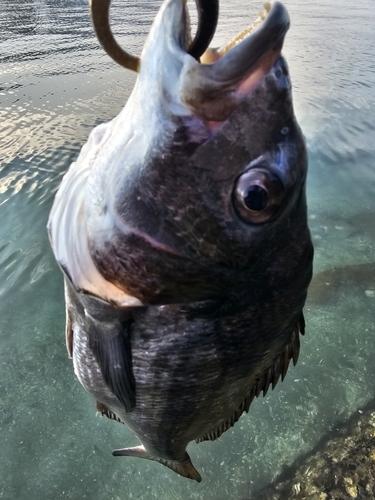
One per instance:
[(256, 198)]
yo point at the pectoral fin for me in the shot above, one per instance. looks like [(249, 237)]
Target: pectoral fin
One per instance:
[(185, 468), (110, 343)]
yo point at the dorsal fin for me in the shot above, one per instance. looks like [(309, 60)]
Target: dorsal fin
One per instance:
[(269, 377)]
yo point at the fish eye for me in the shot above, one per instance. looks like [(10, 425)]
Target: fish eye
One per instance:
[(257, 195)]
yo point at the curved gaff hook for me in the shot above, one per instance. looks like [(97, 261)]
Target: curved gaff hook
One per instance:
[(100, 20), (208, 13)]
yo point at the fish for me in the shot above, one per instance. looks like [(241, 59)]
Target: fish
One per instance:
[(181, 231)]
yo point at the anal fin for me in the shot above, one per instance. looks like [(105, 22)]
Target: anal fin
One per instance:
[(184, 468)]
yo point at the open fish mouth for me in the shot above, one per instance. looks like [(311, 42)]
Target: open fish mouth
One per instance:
[(212, 83)]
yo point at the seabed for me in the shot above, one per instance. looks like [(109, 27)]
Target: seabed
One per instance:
[(339, 468)]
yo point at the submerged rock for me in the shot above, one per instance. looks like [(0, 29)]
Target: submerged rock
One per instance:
[(326, 285), (341, 467)]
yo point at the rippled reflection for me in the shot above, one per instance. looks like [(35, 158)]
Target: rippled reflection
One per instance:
[(55, 85)]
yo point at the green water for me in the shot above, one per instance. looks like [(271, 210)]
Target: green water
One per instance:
[(55, 85)]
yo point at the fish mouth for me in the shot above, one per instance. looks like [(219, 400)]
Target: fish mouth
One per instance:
[(215, 87)]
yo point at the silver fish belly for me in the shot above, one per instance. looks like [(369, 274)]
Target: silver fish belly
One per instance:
[(182, 234)]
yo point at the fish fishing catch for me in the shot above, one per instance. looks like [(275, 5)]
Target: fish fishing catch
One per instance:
[(181, 230)]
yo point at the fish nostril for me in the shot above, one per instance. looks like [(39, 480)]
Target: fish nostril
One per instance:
[(278, 73)]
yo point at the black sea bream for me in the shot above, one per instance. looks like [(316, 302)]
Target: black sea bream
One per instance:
[(181, 232)]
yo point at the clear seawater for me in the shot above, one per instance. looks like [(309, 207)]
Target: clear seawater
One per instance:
[(55, 85)]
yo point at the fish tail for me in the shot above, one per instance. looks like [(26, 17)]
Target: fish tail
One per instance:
[(184, 468)]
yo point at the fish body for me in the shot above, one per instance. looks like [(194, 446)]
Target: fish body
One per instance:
[(182, 233)]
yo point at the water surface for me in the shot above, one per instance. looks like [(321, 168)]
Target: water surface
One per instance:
[(55, 85)]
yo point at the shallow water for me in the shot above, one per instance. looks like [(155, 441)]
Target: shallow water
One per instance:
[(55, 85)]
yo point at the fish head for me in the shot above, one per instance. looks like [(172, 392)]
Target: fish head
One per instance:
[(198, 182)]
